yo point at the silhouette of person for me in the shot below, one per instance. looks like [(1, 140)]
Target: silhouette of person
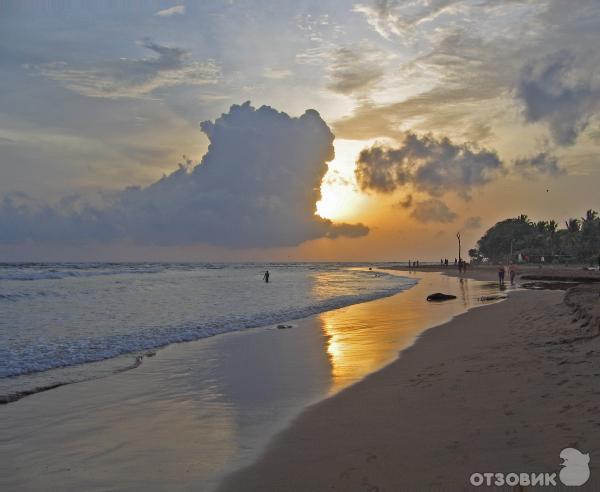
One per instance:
[(266, 276), (512, 275), (501, 275)]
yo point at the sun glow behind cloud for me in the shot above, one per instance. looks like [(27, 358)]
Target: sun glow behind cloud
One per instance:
[(340, 197)]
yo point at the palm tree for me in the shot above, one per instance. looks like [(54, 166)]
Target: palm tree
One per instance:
[(573, 228), (590, 234), (590, 216), (572, 225), (551, 227)]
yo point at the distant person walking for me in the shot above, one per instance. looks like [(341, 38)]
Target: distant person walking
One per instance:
[(512, 274), (501, 275), (266, 276)]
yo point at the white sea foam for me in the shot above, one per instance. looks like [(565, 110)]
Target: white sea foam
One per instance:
[(77, 314)]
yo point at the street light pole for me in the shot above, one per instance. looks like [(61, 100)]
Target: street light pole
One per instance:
[(458, 237)]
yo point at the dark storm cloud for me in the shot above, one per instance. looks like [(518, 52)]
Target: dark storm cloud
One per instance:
[(433, 210), (555, 92), (431, 165), (257, 186)]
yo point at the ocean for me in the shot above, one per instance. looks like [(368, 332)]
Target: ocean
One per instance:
[(68, 322)]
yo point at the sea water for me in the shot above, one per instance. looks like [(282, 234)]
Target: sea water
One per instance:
[(62, 323)]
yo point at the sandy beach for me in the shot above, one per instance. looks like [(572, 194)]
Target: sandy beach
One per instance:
[(500, 389), (328, 405)]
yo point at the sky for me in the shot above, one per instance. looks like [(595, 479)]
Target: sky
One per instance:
[(292, 130)]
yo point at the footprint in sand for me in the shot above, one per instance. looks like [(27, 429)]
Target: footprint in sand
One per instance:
[(371, 457), (369, 486)]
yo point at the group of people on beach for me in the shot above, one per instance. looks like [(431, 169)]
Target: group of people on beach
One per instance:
[(444, 263), (458, 262), (502, 273)]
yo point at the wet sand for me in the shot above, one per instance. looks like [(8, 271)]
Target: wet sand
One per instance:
[(499, 389)]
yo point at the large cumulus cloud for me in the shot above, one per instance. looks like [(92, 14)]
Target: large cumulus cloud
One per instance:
[(430, 165), (257, 186)]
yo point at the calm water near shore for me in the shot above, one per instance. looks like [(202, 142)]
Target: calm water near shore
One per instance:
[(196, 411), (70, 322)]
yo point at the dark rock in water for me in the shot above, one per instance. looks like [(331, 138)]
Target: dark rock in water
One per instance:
[(283, 327), (438, 296)]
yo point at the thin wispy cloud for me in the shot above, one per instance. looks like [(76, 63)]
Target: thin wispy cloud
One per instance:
[(473, 223), (277, 73), (538, 165), (433, 210), (355, 70), (176, 10), (170, 66)]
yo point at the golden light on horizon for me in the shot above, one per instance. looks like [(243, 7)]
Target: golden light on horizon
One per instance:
[(340, 198)]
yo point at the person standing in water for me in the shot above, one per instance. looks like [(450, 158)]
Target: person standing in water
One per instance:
[(266, 276), (501, 275)]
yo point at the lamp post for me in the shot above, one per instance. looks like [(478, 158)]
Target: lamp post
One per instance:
[(459, 256), (510, 256)]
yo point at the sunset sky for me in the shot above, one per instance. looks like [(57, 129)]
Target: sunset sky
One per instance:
[(399, 122)]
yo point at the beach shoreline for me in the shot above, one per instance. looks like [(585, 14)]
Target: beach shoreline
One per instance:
[(500, 389), (245, 397), (197, 411)]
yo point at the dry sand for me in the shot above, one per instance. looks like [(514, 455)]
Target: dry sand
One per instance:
[(499, 389)]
